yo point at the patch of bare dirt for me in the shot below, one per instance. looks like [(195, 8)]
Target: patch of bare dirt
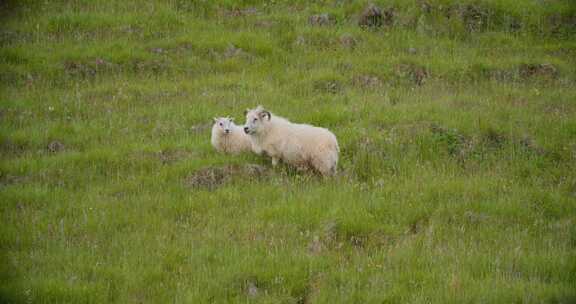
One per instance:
[(367, 81), (328, 86), (493, 138), (321, 20), (474, 17), (544, 70), (418, 225), (233, 51), (251, 289), (9, 147), (348, 41), (373, 17), (9, 179), (154, 66), (417, 74), (324, 239), (213, 177), (169, 156), (239, 12), (76, 68), (55, 146), (562, 23), (530, 144)]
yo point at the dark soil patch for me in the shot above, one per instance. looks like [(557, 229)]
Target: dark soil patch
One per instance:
[(9, 179), (328, 86), (170, 156), (367, 81), (76, 68), (418, 225), (55, 146), (562, 24), (493, 138), (348, 41), (373, 17), (474, 17), (417, 74), (213, 177), (239, 12), (9, 147), (530, 144), (233, 51), (321, 20), (455, 142), (543, 70), (251, 289), (153, 66)]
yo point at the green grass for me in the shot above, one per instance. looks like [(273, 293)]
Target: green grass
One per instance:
[(456, 122)]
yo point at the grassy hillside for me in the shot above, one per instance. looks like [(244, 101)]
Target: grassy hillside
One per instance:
[(456, 122)]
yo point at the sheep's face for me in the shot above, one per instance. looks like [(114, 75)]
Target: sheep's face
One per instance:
[(223, 125), (256, 120)]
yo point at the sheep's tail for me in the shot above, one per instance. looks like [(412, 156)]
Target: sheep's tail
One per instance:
[(330, 159), (334, 152)]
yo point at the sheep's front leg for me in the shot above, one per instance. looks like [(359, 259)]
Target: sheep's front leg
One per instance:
[(275, 161), (256, 149)]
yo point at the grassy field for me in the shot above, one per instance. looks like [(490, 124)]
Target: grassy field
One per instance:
[(456, 122)]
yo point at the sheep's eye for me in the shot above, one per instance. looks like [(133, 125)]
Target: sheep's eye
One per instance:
[(255, 119), (221, 124)]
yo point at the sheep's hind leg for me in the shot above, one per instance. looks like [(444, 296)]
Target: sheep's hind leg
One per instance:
[(275, 161)]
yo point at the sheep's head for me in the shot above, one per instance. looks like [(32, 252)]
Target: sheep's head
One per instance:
[(256, 120), (223, 125)]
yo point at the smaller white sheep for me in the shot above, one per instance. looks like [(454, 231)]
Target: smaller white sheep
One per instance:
[(228, 137), (300, 145)]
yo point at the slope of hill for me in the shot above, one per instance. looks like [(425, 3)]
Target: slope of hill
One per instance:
[(456, 122)]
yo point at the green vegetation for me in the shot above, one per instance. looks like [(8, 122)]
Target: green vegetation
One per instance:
[(456, 122)]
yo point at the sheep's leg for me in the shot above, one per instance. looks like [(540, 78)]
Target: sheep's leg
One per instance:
[(256, 149), (274, 161), (325, 164)]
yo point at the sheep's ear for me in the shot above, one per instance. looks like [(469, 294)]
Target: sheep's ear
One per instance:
[(215, 119), (246, 111), (265, 113)]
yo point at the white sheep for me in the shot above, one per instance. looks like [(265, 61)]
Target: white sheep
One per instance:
[(228, 137), (300, 145)]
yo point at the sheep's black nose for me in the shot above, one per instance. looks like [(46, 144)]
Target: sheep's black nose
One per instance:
[(246, 130), (227, 131)]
